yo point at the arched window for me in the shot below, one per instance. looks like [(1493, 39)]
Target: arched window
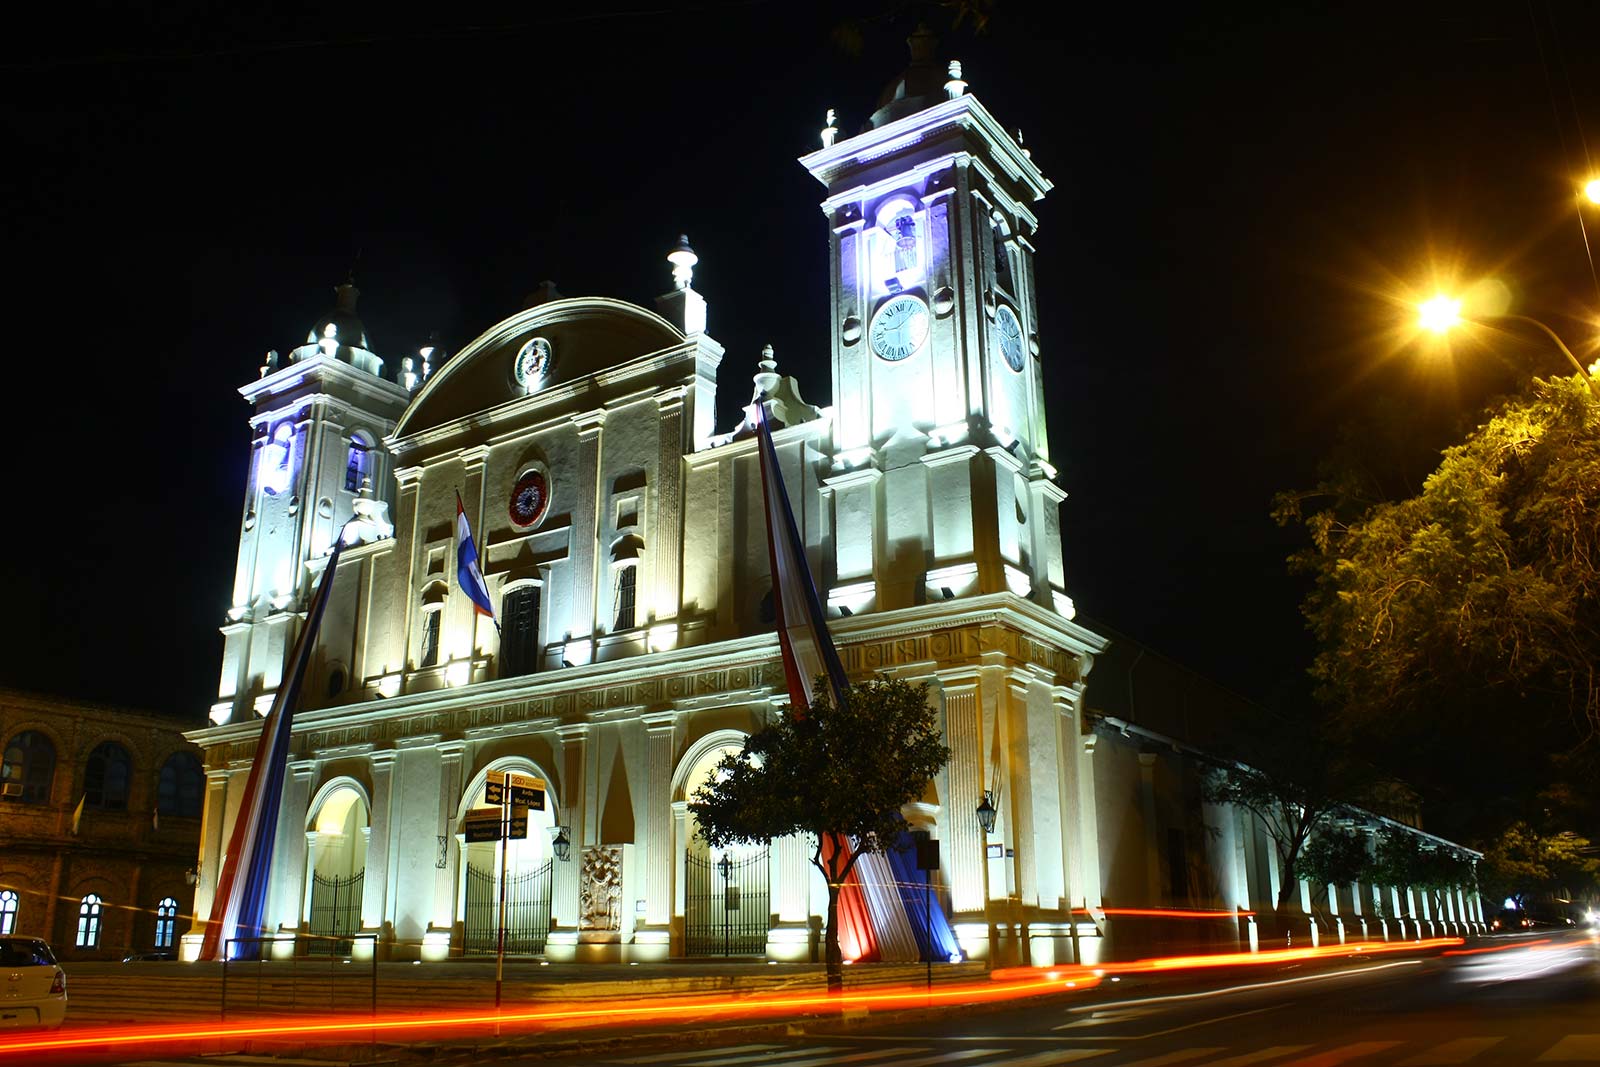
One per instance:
[(166, 921), (28, 768), (89, 921), (626, 597), (105, 777), (181, 788), (8, 912), (359, 463)]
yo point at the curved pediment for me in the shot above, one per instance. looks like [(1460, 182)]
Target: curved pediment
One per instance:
[(585, 335)]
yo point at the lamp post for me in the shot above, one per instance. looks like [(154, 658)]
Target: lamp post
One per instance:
[(1442, 314), (986, 812), (725, 865)]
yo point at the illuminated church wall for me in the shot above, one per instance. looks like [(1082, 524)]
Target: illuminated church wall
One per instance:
[(580, 436)]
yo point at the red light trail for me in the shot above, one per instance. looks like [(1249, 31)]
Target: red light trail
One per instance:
[(1008, 984)]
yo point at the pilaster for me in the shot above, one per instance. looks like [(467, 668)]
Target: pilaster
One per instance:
[(586, 526), (289, 886), (660, 738), (375, 891), (666, 528), (446, 857)]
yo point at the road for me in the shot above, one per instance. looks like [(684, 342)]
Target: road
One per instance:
[(1523, 1001), (1517, 1000)]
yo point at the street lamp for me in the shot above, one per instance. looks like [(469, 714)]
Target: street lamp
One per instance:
[(1443, 313), (1591, 190), (986, 812), (562, 844)]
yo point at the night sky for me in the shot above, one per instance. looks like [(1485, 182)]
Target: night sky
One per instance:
[(1236, 198)]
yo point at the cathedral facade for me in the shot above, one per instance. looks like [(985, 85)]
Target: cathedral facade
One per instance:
[(622, 539)]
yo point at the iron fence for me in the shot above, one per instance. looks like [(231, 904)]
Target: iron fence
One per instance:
[(335, 914), (527, 910), (726, 911)]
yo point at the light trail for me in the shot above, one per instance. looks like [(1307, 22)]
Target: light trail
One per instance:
[(1495, 948), (1011, 984)]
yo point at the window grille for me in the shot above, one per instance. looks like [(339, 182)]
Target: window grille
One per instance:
[(166, 921), (89, 921), (627, 578), (519, 631), (357, 468), (8, 912)]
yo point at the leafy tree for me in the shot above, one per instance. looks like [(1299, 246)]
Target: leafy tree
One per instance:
[(1524, 861), (838, 773), (1291, 809), (1335, 855), (1477, 598)]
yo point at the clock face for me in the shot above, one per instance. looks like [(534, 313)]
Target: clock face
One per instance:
[(1008, 332), (900, 328), (533, 363), (529, 498)]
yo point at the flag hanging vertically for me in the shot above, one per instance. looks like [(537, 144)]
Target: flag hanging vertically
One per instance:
[(808, 651), (468, 573), (238, 909), (77, 814)]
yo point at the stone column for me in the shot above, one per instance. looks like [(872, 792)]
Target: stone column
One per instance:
[(574, 792), (1073, 831), (375, 889), (660, 736), (289, 883), (666, 530), (1089, 813), (481, 634), (444, 877), (1147, 811), (963, 838), (586, 530), (213, 816)]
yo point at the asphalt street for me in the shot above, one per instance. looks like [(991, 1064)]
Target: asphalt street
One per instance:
[(1503, 1001)]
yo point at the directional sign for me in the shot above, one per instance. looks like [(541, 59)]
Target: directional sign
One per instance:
[(483, 824), (525, 791)]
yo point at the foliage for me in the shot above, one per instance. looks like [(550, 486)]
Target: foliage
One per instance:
[(1458, 624), (839, 773), (1523, 861), (1335, 855), (1401, 858), (1290, 808)]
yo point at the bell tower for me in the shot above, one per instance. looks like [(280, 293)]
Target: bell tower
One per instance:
[(317, 460), (941, 484)]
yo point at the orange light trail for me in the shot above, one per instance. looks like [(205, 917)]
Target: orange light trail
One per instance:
[(1009, 984), (1495, 948), (1165, 913)]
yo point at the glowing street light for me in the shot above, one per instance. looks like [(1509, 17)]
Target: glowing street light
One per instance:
[(1592, 190), (1440, 314), (1443, 313)]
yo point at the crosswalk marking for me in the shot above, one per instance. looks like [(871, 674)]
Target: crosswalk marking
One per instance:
[(1343, 1054), (948, 1057), (1259, 1055), (666, 1057), (782, 1055), (1179, 1056), (1049, 1059), (1458, 1051), (1581, 1048)]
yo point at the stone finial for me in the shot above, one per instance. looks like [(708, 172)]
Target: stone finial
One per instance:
[(766, 378), (683, 259), (1025, 153), (955, 86), (830, 129)]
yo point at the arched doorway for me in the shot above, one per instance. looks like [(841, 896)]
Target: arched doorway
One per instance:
[(528, 875), (336, 862), (726, 893)]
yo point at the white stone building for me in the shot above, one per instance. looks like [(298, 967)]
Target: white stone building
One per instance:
[(623, 541)]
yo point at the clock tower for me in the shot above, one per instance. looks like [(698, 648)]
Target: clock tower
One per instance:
[(317, 461), (941, 484)]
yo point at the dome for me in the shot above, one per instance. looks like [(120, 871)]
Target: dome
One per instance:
[(920, 86), (347, 327)]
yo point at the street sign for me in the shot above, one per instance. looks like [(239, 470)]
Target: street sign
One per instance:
[(528, 792), (927, 854), (483, 824), (730, 902), (519, 824)]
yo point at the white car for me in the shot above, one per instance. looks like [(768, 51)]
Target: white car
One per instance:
[(33, 988)]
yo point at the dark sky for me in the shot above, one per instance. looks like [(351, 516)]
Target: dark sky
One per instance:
[(1236, 195)]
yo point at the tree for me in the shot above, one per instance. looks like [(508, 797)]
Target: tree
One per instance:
[(1524, 861), (839, 774), (1291, 808), (1335, 855), (1475, 601)]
